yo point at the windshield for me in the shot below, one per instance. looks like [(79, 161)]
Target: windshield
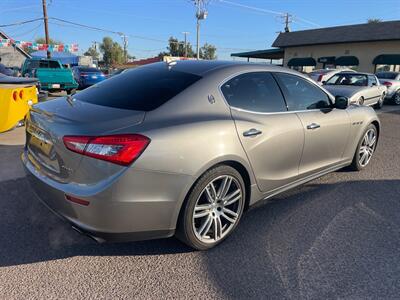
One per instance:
[(348, 79), (144, 88), (386, 75)]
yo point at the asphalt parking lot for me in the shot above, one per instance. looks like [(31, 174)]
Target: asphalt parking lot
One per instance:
[(335, 237)]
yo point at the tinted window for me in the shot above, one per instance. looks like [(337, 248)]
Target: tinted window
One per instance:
[(372, 80), (255, 92), (301, 94), (387, 75), (144, 88), (89, 70)]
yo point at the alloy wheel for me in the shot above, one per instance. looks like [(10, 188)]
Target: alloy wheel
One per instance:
[(367, 147), (397, 98), (217, 209)]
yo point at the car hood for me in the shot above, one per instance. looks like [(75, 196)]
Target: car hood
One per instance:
[(343, 90)]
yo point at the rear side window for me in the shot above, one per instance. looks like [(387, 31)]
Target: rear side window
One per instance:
[(301, 94), (256, 91), (143, 89)]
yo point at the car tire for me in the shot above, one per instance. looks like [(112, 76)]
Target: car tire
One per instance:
[(217, 212), (379, 104), (365, 145), (396, 98)]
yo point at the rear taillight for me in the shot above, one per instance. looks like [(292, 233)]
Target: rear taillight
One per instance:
[(121, 149), (387, 83), (15, 95), (320, 77), (84, 75)]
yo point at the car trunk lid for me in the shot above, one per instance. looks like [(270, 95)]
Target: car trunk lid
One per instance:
[(50, 121)]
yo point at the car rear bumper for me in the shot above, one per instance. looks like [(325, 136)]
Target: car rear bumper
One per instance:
[(122, 211)]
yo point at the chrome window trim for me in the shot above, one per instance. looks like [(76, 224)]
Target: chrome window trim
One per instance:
[(330, 97)]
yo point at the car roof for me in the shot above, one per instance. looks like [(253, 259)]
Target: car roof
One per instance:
[(357, 73), (203, 67)]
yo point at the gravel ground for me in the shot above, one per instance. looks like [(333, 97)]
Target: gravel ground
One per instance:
[(335, 237)]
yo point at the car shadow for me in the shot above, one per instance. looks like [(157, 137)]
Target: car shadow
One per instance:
[(304, 243), (319, 241)]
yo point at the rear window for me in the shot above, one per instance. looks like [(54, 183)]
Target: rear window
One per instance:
[(386, 75), (143, 89), (35, 64), (89, 70)]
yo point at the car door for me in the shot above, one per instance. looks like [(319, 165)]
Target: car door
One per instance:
[(271, 136), (373, 91), (326, 129)]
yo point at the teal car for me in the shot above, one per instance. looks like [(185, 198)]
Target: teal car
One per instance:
[(53, 77)]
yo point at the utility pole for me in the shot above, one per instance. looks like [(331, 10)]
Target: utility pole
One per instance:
[(288, 20), (125, 42), (95, 45), (46, 26), (185, 33), (201, 14)]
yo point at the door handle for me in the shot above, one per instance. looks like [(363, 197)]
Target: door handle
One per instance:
[(313, 126), (252, 132)]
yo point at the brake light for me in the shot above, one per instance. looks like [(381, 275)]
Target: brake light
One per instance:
[(320, 77), (21, 94), (387, 83), (121, 149), (15, 95)]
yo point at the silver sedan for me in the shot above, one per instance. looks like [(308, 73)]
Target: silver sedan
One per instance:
[(184, 148), (359, 88)]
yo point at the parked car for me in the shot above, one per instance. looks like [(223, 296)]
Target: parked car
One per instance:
[(322, 75), (87, 76), (52, 75), (392, 81), (185, 147), (359, 88)]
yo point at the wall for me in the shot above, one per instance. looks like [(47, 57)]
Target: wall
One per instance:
[(11, 57), (365, 52)]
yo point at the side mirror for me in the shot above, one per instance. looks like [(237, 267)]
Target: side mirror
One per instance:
[(323, 82), (374, 83), (341, 102)]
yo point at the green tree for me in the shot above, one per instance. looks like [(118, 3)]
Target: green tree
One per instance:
[(177, 48), (92, 52), (208, 51), (373, 20), (112, 52)]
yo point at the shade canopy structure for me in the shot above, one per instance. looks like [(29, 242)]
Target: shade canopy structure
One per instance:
[(302, 62), (64, 57), (347, 61), (264, 54), (387, 59)]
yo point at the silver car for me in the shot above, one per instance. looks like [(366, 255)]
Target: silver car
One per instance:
[(392, 81), (184, 148), (359, 88), (322, 75)]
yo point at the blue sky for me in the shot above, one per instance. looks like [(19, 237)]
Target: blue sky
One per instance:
[(233, 26)]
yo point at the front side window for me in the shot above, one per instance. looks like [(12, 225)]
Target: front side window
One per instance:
[(372, 80), (256, 91), (301, 94)]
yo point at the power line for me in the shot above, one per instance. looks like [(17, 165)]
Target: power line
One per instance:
[(21, 23)]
